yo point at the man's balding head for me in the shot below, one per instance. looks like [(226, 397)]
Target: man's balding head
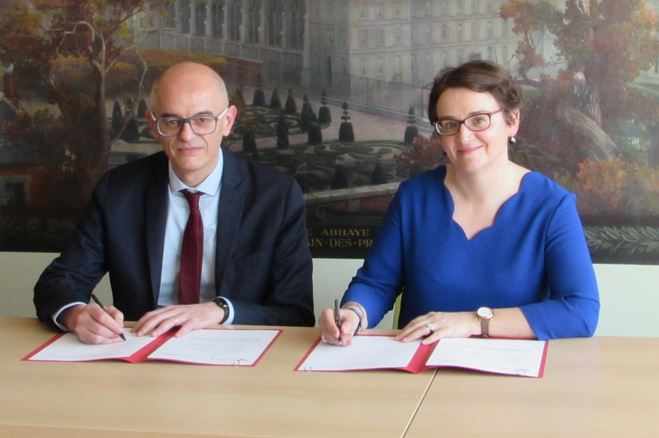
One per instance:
[(184, 93), (182, 74)]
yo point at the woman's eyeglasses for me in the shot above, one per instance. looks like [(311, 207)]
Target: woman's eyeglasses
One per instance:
[(476, 123)]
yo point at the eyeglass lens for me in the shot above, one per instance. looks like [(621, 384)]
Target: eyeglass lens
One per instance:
[(200, 124), (475, 123)]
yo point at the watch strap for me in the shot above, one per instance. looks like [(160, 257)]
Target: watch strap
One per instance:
[(222, 304), (485, 327)]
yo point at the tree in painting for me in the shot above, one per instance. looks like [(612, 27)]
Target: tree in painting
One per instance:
[(593, 126), (50, 45), (604, 46)]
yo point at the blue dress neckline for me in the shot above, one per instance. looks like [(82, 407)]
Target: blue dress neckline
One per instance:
[(504, 206)]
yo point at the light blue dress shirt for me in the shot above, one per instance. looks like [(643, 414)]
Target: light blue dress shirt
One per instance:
[(177, 218)]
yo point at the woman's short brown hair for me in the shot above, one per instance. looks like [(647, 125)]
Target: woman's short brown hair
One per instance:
[(482, 77)]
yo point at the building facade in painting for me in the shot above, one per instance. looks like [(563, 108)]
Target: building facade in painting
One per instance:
[(271, 32), (347, 47), (407, 41)]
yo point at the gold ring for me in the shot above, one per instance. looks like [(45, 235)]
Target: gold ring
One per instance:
[(430, 328)]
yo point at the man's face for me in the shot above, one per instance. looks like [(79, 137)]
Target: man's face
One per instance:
[(186, 92)]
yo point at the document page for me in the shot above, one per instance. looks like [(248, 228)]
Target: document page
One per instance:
[(217, 347), (67, 348), (366, 352), (503, 356)]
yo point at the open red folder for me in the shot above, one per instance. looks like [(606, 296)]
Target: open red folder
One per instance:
[(370, 351), (234, 347)]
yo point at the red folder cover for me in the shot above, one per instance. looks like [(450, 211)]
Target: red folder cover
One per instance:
[(64, 347), (372, 351)]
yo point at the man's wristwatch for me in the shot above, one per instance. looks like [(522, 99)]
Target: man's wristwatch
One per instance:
[(485, 314), (222, 304)]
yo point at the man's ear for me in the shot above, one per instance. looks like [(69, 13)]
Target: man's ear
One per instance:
[(151, 120), (229, 119)]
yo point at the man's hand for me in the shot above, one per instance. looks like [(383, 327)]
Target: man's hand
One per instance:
[(188, 317), (93, 325)]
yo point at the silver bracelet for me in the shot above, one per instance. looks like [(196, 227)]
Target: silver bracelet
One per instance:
[(362, 311), (357, 312)]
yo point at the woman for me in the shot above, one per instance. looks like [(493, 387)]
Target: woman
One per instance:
[(481, 246)]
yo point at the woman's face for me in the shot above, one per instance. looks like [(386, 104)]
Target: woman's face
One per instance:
[(473, 151)]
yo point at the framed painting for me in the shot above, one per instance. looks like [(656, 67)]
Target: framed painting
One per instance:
[(334, 93)]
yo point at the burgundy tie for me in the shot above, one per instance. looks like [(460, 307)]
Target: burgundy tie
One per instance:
[(191, 252)]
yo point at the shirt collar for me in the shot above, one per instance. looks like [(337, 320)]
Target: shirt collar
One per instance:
[(209, 186)]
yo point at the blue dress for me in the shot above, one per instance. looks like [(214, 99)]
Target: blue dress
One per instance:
[(534, 257)]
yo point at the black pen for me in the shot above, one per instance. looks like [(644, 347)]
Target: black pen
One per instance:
[(337, 317), (97, 301)]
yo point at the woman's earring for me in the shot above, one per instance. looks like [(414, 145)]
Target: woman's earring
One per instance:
[(512, 140)]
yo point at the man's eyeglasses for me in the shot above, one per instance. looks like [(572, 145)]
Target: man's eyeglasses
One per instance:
[(203, 124), (477, 122)]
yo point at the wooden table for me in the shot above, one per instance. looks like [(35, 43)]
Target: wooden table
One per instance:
[(592, 387), (598, 387), (113, 398)]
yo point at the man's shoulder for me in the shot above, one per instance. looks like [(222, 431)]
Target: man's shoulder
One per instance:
[(140, 169), (156, 160), (257, 173)]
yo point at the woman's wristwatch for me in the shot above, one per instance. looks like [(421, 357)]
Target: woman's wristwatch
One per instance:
[(485, 314)]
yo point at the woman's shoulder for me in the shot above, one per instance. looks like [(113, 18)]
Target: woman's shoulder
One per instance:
[(424, 181), (538, 186)]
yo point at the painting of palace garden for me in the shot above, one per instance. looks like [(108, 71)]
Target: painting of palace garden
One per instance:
[(76, 78)]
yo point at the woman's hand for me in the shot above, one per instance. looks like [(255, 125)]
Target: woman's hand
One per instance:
[(334, 335), (434, 326)]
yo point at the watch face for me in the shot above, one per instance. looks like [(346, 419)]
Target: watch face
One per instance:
[(484, 312)]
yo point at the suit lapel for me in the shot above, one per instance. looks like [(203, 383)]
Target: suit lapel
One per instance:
[(231, 208), (155, 216)]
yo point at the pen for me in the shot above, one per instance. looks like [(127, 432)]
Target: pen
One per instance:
[(97, 301), (337, 317)]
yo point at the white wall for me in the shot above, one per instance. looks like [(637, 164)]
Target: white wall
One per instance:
[(629, 293), (18, 273)]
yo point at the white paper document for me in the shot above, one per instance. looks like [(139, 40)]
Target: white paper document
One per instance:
[(217, 347), (366, 352), (237, 347), (68, 348), (504, 356)]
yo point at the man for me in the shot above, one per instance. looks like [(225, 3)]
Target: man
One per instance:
[(254, 266)]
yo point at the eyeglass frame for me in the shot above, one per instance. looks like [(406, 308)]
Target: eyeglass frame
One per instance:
[(463, 122), (184, 120)]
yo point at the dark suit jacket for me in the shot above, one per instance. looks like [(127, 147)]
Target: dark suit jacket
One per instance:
[(263, 264)]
